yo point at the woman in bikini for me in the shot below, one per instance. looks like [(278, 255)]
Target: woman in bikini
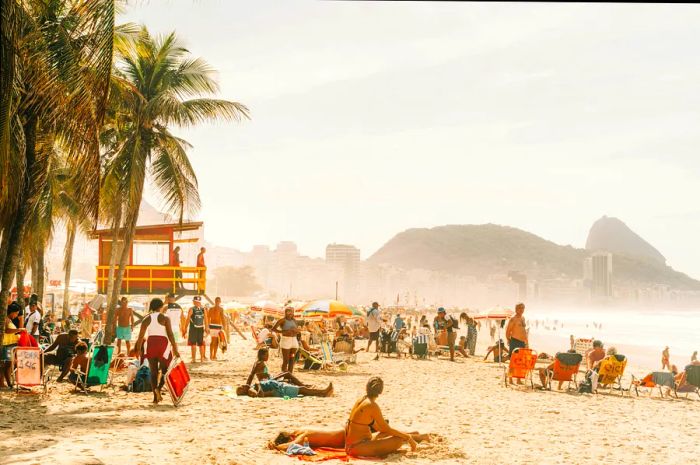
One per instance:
[(260, 370), (289, 329), (366, 416), (159, 345)]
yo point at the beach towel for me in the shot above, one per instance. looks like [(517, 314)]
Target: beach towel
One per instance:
[(325, 453), (298, 449)]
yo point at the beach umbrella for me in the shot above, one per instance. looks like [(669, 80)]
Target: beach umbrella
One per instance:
[(268, 307), (234, 307), (326, 309), (356, 312), (497, 315)]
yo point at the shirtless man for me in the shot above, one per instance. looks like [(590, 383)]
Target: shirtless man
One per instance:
[(125, 324), (596, 354), (516, 332), (218, 327)]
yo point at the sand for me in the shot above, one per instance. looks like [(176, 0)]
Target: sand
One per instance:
[(473, 417)]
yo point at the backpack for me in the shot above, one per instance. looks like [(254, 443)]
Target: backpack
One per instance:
[(587, 385), (455, 322), (142, 382)]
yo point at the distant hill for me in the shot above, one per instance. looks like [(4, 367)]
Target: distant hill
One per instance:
[(612, 235), (490, 249)]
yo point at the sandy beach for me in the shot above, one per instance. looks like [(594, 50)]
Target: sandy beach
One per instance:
[(473, 417)]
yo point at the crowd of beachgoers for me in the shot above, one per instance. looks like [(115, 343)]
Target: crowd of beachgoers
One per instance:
[(148, 344)]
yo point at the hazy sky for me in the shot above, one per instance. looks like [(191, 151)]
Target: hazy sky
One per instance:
[(371, 118)]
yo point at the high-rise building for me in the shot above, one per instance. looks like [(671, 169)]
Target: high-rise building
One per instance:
[(346, 260), (601, 274)]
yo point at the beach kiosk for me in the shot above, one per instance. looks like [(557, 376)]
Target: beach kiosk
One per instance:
[(151, 268)]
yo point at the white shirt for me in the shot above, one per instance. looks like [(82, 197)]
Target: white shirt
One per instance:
[(34, 317), (374, 322)]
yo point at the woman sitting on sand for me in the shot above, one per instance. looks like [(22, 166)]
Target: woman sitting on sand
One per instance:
[(260, 370), (366, 416)]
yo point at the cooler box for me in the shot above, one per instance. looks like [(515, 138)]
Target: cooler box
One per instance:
[(177, 379)]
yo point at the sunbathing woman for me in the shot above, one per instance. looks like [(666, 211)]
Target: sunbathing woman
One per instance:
[(316, 438), (365, 416), (260, 370)]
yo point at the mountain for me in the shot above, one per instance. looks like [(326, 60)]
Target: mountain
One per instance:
[(481, 250), (612, 235)]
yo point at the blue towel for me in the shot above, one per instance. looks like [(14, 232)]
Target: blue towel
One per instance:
[(298, 449)]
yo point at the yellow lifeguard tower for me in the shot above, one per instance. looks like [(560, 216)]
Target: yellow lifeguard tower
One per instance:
[(153, 244)]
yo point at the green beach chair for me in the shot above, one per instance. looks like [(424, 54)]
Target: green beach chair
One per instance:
[(692, 381), (98, 372)]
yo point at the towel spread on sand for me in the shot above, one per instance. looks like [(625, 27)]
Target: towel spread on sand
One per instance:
[(325, 453), (298, 449)]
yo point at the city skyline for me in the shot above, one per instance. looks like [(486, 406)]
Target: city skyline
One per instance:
[(543, 117)]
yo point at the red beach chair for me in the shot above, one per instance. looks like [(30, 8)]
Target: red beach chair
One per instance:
[(565, 369), (177, 379), (521, 365)]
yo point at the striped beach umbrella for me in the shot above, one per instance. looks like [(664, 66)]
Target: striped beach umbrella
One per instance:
[(325, 309), (268, 307)]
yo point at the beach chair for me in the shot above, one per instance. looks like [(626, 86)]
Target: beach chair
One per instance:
[(692, 381), (98, 372), (521, 365), (311, 362), (177, 380), (28, 368), (582, 346), (653, 380), (330, 359), (420, 346), (610, 372), (565, 369)]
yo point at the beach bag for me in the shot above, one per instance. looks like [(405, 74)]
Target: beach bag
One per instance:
[(586, 387), (142, 382), (455, 323)]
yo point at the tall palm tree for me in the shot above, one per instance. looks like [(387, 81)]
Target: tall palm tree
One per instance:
[(55, 67), (161, 87)]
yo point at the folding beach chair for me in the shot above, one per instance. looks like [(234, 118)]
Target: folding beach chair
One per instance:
[(177, 380), (521, 365), (330, 359), (28, 368), (582, 346), (98, 372), (655, 379), (610, 372), (311, 362), (565, 369), (420, 346), (692, 381)]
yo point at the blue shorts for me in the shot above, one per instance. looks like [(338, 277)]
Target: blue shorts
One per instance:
[(279, 389), (515, 344), (124, 333)]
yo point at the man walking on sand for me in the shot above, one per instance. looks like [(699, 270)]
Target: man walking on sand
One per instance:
[(218, 328), (125, 324), (516, 332), (374, 324)]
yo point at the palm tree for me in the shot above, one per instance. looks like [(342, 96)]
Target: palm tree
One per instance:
[(55, 67), (161, 87)]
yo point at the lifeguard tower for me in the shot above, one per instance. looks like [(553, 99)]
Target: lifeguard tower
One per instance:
[(150, 269)]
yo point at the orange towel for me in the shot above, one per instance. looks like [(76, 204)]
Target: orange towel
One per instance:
[(325, 453)]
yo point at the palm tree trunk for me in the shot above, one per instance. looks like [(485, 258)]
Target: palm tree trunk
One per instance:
[(19, 282), (39, 282), (129, 231), (67, 264), (115, 251), (17, 224)]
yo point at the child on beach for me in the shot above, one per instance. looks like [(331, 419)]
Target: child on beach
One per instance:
[(79, 363)]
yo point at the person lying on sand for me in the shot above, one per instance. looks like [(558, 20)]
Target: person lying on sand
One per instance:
[(274, 388), (365, 415), (260, 370), (315, 437)]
